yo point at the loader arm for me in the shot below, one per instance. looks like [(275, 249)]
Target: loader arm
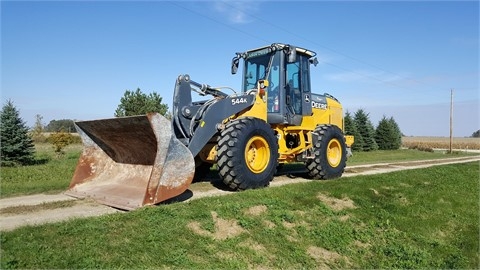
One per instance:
[(195, 123), (129, 162)]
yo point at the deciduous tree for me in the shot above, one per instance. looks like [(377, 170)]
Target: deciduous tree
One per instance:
[(65, 125), (139, 103), (38, 130)]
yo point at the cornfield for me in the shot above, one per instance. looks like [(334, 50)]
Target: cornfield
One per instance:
[(440, 142)]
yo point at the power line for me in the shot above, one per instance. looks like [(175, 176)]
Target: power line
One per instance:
[(330, 49), (300, 37), (219, 22)]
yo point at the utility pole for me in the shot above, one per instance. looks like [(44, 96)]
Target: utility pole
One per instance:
[(451, 120)]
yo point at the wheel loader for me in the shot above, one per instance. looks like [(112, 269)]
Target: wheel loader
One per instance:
[(130, 162)]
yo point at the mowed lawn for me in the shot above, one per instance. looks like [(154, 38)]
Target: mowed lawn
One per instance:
[(424, 218), (53, 173)]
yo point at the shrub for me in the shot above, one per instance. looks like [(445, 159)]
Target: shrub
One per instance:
[(60, 140)]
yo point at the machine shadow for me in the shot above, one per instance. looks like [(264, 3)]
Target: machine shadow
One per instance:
[(213, 179)]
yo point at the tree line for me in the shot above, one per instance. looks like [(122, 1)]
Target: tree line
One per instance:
[(17, 140), (386, 136), (132, 103)]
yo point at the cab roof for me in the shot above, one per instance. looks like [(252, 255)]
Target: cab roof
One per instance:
[(281, 46)]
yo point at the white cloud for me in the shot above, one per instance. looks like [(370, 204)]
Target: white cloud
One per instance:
[(237, 12)]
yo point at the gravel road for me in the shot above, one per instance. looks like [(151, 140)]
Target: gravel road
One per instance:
[(14, 215)]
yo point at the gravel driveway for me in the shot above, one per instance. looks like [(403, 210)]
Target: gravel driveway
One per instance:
[(29, 210)]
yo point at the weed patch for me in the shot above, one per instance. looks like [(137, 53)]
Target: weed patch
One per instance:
[(223, 228), (336, 204)]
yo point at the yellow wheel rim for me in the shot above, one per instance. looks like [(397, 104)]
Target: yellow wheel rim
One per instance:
[(334, 152), (257, 154)]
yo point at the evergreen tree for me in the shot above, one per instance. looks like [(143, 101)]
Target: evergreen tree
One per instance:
[(476, 134), (15, 143), (351, 129), (386, 135), (138, 103), (366, 130), (397, 139)]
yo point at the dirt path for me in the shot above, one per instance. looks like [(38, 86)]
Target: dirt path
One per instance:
[(42, 208)]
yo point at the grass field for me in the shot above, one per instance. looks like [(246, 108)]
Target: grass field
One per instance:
[(426, 218), (383, 156), (55, 174)]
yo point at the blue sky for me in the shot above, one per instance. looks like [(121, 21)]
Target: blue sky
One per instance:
[(74, 60)]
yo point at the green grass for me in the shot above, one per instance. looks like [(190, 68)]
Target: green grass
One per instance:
[(51, 175), (382, 156), (54, 176), (425, 218)]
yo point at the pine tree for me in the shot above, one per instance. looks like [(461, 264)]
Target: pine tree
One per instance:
[(397, 139), (385, 134), (366, 130), (16, 144), (351, 129)]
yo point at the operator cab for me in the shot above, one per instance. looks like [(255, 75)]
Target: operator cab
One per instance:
[(287, 70)]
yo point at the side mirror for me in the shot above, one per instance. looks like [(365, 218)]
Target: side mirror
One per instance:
[(235, 62), (292, 54)]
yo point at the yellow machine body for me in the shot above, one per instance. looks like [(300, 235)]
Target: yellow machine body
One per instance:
[(147, 159)]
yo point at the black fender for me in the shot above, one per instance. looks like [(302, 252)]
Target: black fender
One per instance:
[(214, 115)]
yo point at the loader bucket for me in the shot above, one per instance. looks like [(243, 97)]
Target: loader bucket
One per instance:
[(130, 162)]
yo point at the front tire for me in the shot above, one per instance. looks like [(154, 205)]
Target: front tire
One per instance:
[(330, 153), (247, 154)]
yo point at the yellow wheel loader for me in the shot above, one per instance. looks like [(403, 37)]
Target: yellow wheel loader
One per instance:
[(142, 160)]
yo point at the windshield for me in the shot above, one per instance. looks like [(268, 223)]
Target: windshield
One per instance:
[(256, 68)]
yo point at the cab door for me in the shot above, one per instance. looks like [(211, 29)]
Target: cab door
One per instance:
[(297, 90), (305, 85)]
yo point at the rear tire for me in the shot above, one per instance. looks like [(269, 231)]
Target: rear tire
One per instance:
[(330, 153), (247, 154)]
